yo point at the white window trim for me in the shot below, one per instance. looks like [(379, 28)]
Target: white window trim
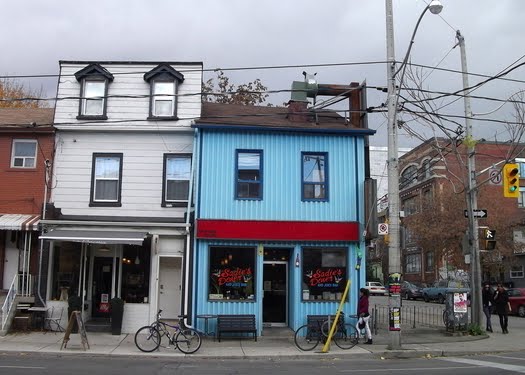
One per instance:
[(85, 98), (117, 179), (175, 179), (513, 274), (13, 156), (163, 98)]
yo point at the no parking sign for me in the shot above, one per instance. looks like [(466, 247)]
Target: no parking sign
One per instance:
[(382, 229)]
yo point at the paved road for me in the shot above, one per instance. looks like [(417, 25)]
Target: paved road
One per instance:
[(28, 364)]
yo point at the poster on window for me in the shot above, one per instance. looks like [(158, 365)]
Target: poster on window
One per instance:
[(460, 302)]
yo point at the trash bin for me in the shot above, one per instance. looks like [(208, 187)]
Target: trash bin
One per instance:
[(456, 311)]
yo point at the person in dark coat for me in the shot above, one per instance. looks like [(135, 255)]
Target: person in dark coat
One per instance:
[(364, 315), (502, 305), (488, 302)]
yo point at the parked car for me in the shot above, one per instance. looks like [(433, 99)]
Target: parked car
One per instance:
[(376, 288), (517, 301), (438, 291), (411, 290)]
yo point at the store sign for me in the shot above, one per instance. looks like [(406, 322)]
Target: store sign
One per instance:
[(325, 277), (237, 277)]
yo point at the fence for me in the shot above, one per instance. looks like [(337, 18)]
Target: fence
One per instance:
[(411, 317)]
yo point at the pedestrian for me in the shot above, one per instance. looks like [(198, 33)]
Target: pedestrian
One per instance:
[(502, 304), (488, 302), (364, 315)]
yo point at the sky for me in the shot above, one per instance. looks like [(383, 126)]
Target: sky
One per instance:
[(270, 34)]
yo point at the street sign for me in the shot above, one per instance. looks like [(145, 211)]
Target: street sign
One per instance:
[(382, 229), (495, 176), (477, 213)]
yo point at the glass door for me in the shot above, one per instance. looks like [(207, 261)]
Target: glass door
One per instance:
[(275, 288), (101, 290)]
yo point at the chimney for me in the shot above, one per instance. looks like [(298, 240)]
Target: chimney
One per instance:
[(298, 111)]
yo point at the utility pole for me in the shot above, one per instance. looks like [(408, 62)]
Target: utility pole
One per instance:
[(472, 199), (394, 255)]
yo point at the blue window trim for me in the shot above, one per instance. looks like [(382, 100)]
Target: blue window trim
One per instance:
[(303, 183), (260, 182)]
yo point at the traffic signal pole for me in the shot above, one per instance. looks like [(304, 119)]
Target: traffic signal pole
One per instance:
[(472, 196)]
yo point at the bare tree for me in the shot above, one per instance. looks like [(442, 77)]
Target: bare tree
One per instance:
[(220, 90)]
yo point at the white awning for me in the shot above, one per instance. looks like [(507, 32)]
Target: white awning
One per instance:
[(19, 222), (96, 236)]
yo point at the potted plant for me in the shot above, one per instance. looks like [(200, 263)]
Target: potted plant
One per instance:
[(74, 304), (117, 312)]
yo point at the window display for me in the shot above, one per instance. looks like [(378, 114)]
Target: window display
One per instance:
[(232, 273), (324, 274)]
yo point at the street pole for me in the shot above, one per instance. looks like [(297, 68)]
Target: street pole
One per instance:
[(472, 199), (394, 255)]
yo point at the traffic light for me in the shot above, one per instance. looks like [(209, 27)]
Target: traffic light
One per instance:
[(488, 239), (511, 181)]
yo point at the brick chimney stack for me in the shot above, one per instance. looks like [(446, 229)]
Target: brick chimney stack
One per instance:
[(298, 111)]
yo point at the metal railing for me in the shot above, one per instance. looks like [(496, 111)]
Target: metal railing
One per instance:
[(9, 300), (411, 317)]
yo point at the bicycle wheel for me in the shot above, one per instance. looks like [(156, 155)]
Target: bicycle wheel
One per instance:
[(307, 337), (188, 340), (346, 336), (147, 339), (325, 327)]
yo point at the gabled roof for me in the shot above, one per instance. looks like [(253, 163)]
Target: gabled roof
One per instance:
[(25, 117), (163, 69), (93, 70), (218, 115)]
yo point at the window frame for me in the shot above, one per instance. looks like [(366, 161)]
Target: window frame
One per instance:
[(248, 248), (154, 98), (84, 99), (415, 261), (24, 158), (238, 180), (429, 266), (97, 203), (325, 174), (305, 276), (173, 203), (517, 274)]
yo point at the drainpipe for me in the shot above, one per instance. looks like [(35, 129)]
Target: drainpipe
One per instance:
[(41, 250), (187, 254)]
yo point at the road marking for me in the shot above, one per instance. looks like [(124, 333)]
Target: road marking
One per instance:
[(409, 369), (25, 367), (520, 369), (504, 357)]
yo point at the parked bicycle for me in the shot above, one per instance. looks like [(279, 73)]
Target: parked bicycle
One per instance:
[(308, 336), (148, 338)]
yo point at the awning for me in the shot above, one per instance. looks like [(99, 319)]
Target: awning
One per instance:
[(19, 222), (96, 236)]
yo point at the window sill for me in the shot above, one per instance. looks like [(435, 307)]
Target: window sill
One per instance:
[(85, 117), (174, 204), (105, 204), (163, 118)]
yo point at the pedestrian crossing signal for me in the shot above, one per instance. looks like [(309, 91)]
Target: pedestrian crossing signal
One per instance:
[(511, 181)]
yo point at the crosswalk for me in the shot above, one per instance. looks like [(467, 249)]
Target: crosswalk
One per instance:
[(497, 361)]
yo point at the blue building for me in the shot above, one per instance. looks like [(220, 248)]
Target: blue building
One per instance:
[(280, 208)]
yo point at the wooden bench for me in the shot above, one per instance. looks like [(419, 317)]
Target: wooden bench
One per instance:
[(236, 324)]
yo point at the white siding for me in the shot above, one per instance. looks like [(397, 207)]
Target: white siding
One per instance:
[(142, 171), (128, 80)]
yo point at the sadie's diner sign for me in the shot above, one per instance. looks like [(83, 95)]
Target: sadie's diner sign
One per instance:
[(325, 277), (233, 277)]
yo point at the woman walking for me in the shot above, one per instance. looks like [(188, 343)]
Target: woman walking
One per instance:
[(502, 304), (486, 297), (364, 315)]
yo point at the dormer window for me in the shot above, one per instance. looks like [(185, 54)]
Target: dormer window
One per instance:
[(164, 81), (94, 81)]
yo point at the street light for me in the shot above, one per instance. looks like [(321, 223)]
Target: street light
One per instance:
[(394, 255)]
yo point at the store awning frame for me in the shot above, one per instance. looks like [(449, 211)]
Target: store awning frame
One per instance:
[(95, 236), (24, 222)]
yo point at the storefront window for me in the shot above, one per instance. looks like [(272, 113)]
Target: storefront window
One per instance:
[(135, 273), (324, 274), (66, 271), (232, 273)]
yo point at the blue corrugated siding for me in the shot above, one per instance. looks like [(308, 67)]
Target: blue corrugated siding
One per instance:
[(281, 177), (297, 308)]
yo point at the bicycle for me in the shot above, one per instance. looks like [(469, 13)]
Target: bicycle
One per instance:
[(308, 336), (148, 338)]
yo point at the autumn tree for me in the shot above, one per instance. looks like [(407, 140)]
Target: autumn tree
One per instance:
[(221, 90), (14, 94)]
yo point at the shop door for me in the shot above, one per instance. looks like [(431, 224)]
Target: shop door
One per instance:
[(275, 288), (170, 286), (101, 291)]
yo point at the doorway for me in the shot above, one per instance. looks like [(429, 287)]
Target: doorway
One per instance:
[(170, 286), (102, 283), (275, 287)]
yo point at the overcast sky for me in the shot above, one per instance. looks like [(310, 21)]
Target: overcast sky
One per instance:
[(225, 34)]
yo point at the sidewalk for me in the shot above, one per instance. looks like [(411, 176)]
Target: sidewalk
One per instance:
[(415, 343)]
